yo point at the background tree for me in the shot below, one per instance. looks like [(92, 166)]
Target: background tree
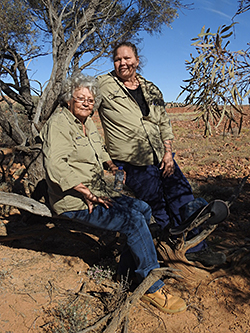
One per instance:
[(244, 5), (17, 40), (80, 32), (219, 81)]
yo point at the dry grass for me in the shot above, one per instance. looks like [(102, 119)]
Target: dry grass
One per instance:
[(222, 154)]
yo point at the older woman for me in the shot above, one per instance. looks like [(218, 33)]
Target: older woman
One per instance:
[(74, 158), (139, 136)]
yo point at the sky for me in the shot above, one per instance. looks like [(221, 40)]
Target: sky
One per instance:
[(164, 55)]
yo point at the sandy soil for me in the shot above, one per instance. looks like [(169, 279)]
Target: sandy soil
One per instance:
[(47, 272)]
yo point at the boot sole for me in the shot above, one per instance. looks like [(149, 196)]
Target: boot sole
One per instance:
[(149, 300)]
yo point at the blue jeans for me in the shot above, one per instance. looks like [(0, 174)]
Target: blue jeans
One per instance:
[(130, 217), (161, 193)]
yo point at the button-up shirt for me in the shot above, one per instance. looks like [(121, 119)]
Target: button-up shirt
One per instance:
[(130, 136), (71, 158)]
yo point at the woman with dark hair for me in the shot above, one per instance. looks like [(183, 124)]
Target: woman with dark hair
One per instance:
[(138, 136), (74, 158)]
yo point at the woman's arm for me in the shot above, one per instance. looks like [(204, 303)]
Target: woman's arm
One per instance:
[(109, 165), (91, 198), (167, 163)]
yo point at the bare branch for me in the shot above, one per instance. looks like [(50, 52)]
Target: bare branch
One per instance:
[(22, 202)]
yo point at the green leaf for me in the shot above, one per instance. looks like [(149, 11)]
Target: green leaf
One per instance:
[(234, 94), (215, 62), (202, 33), (230, 72), (218, 30), (226, 29), (238, 93), (222, 116), (200, 114), (196, 43), (247, 93), (228, 35), (213, 76), (202, 44), (217, 42)]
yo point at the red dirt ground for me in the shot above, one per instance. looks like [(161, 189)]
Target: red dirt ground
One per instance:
[(39, 272)]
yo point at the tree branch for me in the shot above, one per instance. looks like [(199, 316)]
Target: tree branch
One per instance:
[(24, 203)]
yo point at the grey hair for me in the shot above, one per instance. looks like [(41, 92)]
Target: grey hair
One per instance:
[(79, 80)]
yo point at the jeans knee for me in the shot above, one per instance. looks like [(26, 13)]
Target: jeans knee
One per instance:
[(147, 211)]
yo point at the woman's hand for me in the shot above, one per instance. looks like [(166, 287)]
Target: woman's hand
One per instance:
[(91, 198), (113, 168), (167, 164)]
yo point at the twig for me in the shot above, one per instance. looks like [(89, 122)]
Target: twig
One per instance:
[(155, 315), (217, 278), (33, 323), (96, 325), (124, 309), (29, 296), (85, 295), (1, 166), (196, 291), (120, 313), (200, 237), (50, 290), (237, 192), (126, 324)]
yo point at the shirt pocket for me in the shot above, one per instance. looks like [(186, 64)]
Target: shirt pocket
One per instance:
[(117, 96), (80, 141), (95, 137), (82, 151)]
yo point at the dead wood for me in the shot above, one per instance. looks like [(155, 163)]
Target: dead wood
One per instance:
[(173, 253), (120, 314), (174, 258), (197, 222), (25, 203)]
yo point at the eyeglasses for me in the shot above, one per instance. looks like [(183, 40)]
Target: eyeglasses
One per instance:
[(84, 99)]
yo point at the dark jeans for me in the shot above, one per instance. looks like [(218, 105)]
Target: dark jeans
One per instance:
[(130, 217), (164, 195)]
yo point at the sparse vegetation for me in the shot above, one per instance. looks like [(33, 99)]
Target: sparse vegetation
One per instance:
[(49, 287), (100, 273), (69, 317), (219, 79), (218, 155)]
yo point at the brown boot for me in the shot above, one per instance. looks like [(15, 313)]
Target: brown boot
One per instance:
[(165, 302)]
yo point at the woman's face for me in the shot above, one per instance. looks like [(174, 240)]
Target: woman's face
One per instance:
[(81, 103), (125, 63)]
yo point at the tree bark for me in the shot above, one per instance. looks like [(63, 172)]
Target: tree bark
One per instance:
[(24, 203)]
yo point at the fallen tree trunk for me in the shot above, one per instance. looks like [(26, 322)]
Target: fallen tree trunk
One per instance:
[(24, 203)]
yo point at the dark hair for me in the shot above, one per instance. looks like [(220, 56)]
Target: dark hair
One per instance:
[(128, 44)]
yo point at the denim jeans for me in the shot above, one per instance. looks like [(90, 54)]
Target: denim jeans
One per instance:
[(164, 195), (131, 217)]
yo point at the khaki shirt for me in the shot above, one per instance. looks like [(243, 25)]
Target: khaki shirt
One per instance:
[(71, 158), (130, 136)]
